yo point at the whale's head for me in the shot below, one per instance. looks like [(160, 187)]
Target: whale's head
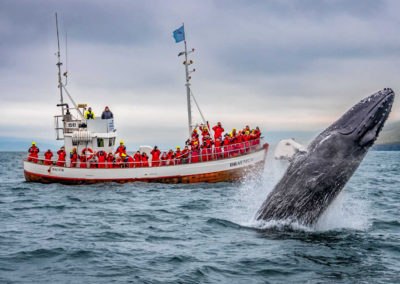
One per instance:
[(355, 132)]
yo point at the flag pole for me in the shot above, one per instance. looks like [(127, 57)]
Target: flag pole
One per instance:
[(188, 87)]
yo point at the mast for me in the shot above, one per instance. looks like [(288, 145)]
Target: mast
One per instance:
[(60, 85), (189, 106)]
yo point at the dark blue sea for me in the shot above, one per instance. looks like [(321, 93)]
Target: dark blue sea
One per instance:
[(201, 233)]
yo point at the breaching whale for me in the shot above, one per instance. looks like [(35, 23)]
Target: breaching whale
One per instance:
[(316, 177)]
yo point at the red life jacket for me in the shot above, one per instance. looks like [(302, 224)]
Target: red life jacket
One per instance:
[(145, 161), (155, 155), (137, 158), (47, 157), (120, 150), (110, 161), (204, 155), (61, 158), (101, 155), (129, 162), (82, 160)]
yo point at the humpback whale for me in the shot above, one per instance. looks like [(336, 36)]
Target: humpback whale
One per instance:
[(314, 178)]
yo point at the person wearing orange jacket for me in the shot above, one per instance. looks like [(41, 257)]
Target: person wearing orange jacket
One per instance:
[(138, 158), (110, 160), (61, 157), (73, 156), (101, 156), (118, 162), (178, 156), (121, 149), (155, 157), (47, 157), (145, 160), (218, 129), (240, 143), (33, 153), (82, 159)]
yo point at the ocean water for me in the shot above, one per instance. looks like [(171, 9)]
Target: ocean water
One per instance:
[(200, 233)]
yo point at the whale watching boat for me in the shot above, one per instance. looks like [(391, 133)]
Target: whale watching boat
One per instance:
[(90, 136)]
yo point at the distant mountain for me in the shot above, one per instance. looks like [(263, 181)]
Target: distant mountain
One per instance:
[(21, 144), (389, 139)]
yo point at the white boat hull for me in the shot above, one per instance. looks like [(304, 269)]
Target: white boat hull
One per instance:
[(229, 169)]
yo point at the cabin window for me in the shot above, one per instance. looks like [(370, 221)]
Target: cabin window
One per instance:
[(111, 142), (100, 142)]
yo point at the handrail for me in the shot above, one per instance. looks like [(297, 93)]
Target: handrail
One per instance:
[(214, 154)]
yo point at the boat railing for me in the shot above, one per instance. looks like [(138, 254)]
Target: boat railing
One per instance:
[(191, 157)]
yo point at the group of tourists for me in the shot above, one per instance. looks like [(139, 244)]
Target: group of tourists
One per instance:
[(234, 143)]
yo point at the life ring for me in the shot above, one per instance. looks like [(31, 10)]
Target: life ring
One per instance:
[(90, 150)]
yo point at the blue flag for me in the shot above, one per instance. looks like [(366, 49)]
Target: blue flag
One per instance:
[(179, 34)]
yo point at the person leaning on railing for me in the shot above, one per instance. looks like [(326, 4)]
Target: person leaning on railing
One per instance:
[(33, 153)]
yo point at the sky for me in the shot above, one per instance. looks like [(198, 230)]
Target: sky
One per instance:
[(286, 66)]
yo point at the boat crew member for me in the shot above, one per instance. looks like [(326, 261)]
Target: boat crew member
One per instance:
[(73, 156), (33, 153), (101, 156), (110, 160), (121, 149), (145, 160), (89, 114), (155, 157), (107, 114), (61, 157), (47, 157), (218, 131), (178, 155), (138, 159)]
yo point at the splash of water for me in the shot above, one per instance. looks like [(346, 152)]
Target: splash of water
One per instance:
[(348, 211)]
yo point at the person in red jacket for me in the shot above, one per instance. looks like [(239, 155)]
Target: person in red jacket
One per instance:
[(145, 160), (194, 155), (204, 152), (73, 156), (82, 159), (121, 149), (195, 136), (155, 157), (185, 155), (217, 149), (226, 144), (118, 162), (164, 159), (47, 157), (110, 160), (240, 143), (178, 156), (101, 156), (129, 161), (138, 159), (246, 138), (33, 153), (61, 157), (204, 132), (170, 157), (218, 131)]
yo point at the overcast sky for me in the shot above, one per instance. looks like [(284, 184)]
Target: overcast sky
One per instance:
[(282, 65)]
